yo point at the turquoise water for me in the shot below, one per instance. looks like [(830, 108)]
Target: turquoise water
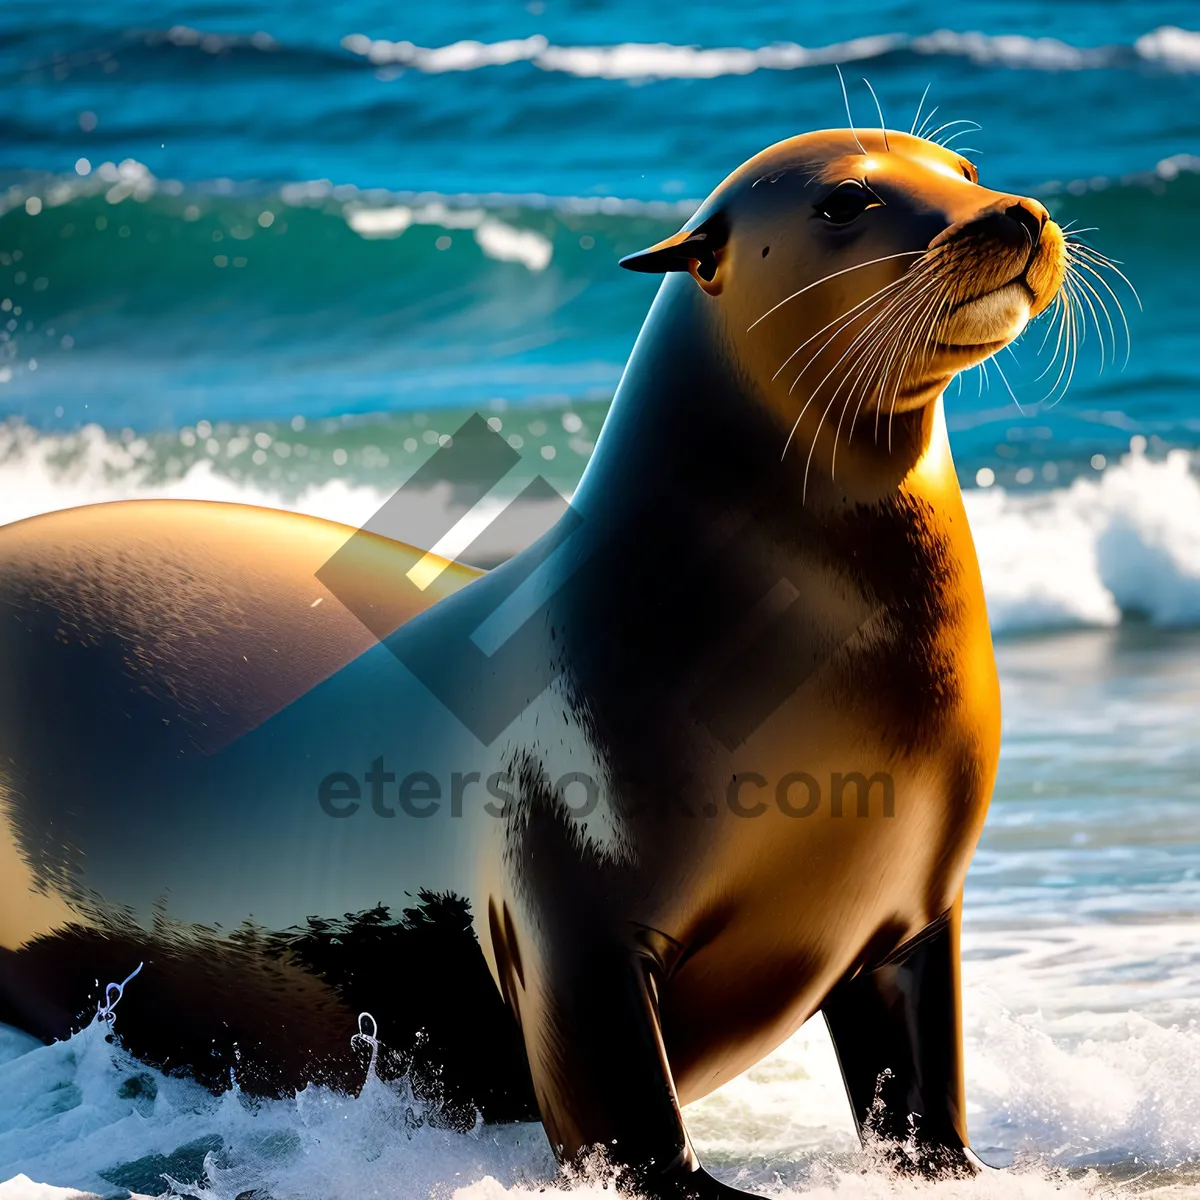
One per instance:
[(276, 253), (591, 129)]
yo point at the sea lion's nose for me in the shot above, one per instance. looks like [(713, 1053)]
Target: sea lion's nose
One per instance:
[(1031, 216), (1010, 220)]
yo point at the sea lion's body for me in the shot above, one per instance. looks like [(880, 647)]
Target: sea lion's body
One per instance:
[(178, 690)]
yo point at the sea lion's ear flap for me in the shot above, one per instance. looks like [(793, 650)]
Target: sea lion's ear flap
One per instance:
[(700, 246)]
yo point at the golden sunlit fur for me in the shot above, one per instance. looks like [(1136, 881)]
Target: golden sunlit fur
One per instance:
[(851, 324)]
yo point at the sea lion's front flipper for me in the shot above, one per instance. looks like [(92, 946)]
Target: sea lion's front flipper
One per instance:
[(897, 1031), (600, 1070)]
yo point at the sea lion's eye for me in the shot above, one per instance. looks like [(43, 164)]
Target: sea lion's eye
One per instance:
[(846, 202)]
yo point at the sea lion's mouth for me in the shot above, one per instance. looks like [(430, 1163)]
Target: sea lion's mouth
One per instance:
[(989, 322)]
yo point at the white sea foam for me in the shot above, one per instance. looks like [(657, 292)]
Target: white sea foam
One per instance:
[(1128, 541), (34, 478), (629, 60), (1169, 46), (1015, 50), (1124, 541), (496, 238), (1061, 1088)]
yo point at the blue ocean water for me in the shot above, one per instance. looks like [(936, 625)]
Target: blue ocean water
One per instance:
[(274, 253), (574, 133)]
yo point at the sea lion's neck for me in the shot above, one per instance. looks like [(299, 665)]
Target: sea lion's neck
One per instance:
[(690, 433)]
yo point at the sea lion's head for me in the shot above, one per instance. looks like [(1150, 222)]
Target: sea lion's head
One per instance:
[(854, 273)]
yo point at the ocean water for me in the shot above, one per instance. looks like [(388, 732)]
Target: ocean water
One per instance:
[(274, 253)]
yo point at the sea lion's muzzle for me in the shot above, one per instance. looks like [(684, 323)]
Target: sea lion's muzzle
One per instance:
[(1010, 255)]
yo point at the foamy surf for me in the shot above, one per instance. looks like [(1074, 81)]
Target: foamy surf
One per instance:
[(1112, 544), (1059, 1100), (40, 474), (1167, 46), (1125, 543)]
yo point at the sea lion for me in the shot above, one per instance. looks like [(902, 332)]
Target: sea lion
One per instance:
[(722, 767)]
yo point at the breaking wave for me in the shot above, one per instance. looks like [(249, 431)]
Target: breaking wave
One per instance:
[(1123, 543), (1054, 1098), (1168, 47)]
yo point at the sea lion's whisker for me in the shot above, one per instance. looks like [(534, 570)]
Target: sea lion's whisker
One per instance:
[(812, 395), (1084, 283), (1101, 259), (832, 275), (903, 338), (1069, 282), (795, 426), (880, 338), (849, 115), (837, 433), (900, 356), (1007, 385), (1069, 355), (879, 110), (900, 338), (913, 275), (1074, 348), (928, 120), (1083, 307), (1082, 288), (1075, 238), (863, 396), (920, 105), (815, 391), (1061, 342), (868, 360), (898, 335), (889, 306), (874, 296), (881, 349), (900, 298), (1055, 312), (1086, 248), (1059, 320), (833, 458), (1094, 266), (1067, 332), (865, 361), (914, 318), (929, 137), (1082, 252), (1116, 300), (934, 309)]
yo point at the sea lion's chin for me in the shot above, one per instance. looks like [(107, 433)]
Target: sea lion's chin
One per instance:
[(978, 328)]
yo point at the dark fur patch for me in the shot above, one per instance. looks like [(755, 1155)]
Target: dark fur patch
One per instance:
[(278, 1009)]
